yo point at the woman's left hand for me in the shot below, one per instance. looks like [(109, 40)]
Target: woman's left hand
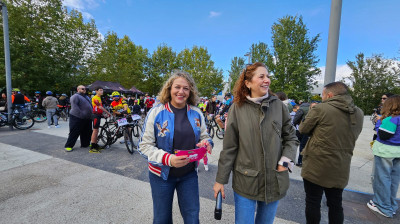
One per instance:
[(281, 168), (205, 143)]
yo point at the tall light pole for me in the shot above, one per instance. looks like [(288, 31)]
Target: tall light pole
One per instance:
[(333, 41), (248, 54), (7, 58)]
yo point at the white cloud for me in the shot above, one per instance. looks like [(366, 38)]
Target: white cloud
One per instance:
[(214, 14), (83, 6), (342, 71)]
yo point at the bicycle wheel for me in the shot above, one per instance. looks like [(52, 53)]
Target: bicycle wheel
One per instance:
[(210, 131), (23, 122), (219, 133), (103, 137), (63, 115), (39, 116), (128, 139), (136, 134)]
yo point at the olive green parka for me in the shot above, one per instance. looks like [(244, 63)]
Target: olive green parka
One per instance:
[(256, 138), (334, 126)]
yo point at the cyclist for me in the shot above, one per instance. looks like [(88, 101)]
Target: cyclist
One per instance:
[(223, 113), (98, 111), (50, 104), (18, 99), (38, 99), (119, 105)]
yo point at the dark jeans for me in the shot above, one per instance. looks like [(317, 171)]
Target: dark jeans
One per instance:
[(79, 128), (303, 141), (313, 203), (187, 189)]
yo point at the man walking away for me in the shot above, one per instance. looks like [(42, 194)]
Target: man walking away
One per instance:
[(50, 104), (98, 111), (80, 122), (333, 126)]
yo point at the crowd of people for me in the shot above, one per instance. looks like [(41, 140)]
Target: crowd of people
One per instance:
[(265, 135)]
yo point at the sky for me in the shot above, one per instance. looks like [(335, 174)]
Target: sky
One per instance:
[(227, 28)]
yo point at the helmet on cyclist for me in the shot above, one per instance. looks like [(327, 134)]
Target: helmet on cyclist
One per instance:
[(37, 92), (15, 90), (49, 93), (64, 94), (115, 94)]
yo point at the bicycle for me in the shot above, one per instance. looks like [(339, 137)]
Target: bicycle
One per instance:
[(20, 119), (38, 114), (62, 112), (210, 128), (127, 127)]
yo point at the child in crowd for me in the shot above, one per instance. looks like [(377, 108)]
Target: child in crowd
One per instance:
[(386, 150)]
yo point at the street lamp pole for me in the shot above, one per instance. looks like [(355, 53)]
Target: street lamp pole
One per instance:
[(248, 54), (7, 58), (333, 41)]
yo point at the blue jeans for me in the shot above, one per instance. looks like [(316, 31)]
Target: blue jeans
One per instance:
[(187, 189), (50, 113), (245, 208), (386, 184)]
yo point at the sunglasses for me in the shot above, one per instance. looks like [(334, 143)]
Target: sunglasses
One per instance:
[(383, 98), (116, 96)]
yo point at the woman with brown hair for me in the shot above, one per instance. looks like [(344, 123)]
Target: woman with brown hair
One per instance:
[(259, 146), (386, 150)]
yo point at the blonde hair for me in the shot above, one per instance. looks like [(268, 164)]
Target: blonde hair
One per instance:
[(165, 94)]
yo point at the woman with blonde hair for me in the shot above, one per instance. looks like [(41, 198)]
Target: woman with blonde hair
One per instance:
[(174, 124), (259, 146)]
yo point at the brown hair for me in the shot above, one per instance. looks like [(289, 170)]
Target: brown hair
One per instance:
[(240, 90), (337, 88), (391, 107), (165, 94)]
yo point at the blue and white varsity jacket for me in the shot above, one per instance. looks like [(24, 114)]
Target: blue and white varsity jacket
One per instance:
[(156, 143)]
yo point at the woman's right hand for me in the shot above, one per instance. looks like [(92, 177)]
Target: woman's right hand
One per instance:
[(217, 188), (179, 161)]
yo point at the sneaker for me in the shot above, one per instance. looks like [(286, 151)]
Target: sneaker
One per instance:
[(48, 126), (68, 149), (94, 150), (57, 126), (373, 204), (206, 167), (373, 207)]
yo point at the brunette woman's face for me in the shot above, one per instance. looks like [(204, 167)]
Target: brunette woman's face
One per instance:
[(259, 84), (180, 92), (383, 98)]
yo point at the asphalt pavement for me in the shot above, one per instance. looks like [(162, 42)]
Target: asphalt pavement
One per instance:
[(42, 183)]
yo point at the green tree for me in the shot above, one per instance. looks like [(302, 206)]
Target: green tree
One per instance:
[(197, 61), (292, 60), (259, 52), (163, 62), (371, 78), (50, 47), (237, 66), (120, 60)]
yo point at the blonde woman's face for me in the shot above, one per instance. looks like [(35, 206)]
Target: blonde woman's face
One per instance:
[(180, 92)]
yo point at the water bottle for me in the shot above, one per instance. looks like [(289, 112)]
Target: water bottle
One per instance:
[(218, 207)]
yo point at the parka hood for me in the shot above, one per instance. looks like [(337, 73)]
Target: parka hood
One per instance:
[(344, 103)]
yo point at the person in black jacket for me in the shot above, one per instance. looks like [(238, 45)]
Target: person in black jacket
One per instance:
[(303, 138)]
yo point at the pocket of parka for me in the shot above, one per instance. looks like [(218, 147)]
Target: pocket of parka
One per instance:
[(246, 181), (283, 181)]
